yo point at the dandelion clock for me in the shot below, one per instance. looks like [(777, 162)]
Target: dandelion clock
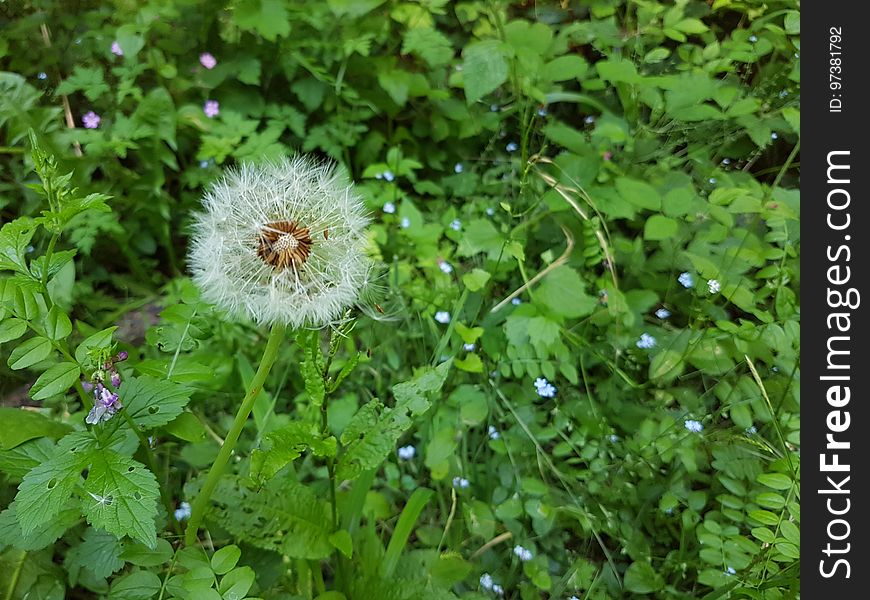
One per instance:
[(281, 243)]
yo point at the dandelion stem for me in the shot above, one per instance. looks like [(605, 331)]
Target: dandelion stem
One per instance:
[(276, 337)]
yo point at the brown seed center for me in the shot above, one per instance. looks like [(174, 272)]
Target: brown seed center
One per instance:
[(284, 244)]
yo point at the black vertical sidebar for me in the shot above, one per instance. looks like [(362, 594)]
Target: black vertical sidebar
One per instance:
[(835, 269)]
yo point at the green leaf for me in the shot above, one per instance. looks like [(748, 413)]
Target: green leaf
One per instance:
[(153, 402), (564, 293), (658, 227), (311, 368), (99, 552), (269, 18), (121, 497), (283, 516), (373, 432), (236, 583), (138, 585), (18, 460), (29, 353), (225, 559), (143, 556), (777, 481), (641, 578), (484, 69), (565, 67), (101, 339), (130, 40), (86, 79), (342, 541), (15, 236), (56, 380), (187, 427), (476, 279), (480, 235), (284, 445), (57, 324), (58, 261), (21, 425), (666, 365), (353, 8), (617, 71), (639, 193), (12, 329), (416, 503), (46, 534), (429, 44), (47, 488)]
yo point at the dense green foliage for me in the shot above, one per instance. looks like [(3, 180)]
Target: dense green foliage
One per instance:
[(584, 333)]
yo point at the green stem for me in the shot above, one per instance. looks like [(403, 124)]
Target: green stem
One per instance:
[(16, 574), (276, 337)]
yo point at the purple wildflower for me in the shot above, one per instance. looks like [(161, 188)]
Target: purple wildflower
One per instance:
[(207, 60), (116, 379), (91, 120), (122, 356), (116, 49), (87, 386), (106, 404), (211, 108)]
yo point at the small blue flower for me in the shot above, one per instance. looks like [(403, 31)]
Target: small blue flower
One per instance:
[(646, 341), (589, 120), (713, 286), (468, 347), (712, 181), (455, 224), (783, 93), (490, 211), (457, 168), (544, 388), (751, 430), (686, 280), (614, 438), (182, 512), (516, 301), (730, 571), (511, 147), (774, 135), (445, 267), (442, 316), (203, 164), (486, 581), (522, 553), (42, 75), (542, 112), (460, 482), (493, 107), (693, 426), (388, 175), (753, 38), (407, 452), (406, 222), (389, 208), (726, 161), (493, 433), (663, 313)]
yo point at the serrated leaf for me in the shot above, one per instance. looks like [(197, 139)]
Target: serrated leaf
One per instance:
[(346, 369), (564, 293), (57, 324), (373, 432), (283, 516), (17, 461), (429, 44), (46, 534), (58, 260), (121, 497), (99, 552), (153, 402), (55, 380), (20, 425), (29, 353), (284, 445), (47, 488), (12, 329), (14, 239)]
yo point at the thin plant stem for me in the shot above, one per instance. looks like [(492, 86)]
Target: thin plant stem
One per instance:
[(276, 337)]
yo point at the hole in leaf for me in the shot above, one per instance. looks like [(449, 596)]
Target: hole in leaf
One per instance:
[(153, 410), (137, 495), (73, 449), (131, 469), (52, 482)]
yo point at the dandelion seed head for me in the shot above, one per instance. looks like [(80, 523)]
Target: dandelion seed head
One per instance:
[(281, 242)]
